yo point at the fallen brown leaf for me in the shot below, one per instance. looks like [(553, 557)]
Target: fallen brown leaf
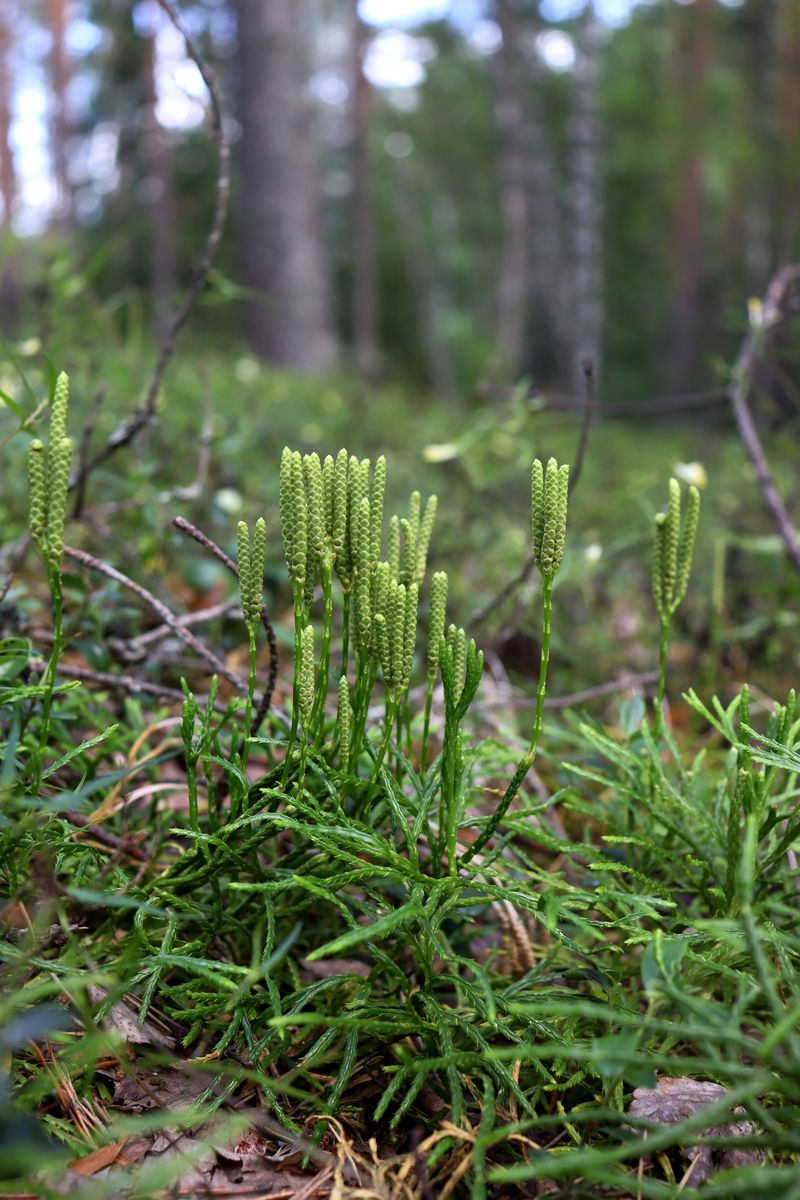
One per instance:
[(104, 1156), (674, 1100)]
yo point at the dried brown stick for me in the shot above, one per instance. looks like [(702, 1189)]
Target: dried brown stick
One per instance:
[(193, 618), (744, 372), (167, 617), (130, 428), (123, 683), (207, 543)]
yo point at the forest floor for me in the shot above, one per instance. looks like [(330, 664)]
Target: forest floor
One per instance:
[(225, 977)]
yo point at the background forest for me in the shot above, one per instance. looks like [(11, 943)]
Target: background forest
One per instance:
[(303, 891), (448, 194)]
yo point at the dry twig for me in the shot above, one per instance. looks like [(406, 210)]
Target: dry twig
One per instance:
[(773, 315), (130, 428), (167, 617)]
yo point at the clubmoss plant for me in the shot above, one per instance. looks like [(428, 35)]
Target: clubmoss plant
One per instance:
[(436, 623), (549, 497), (673, 546), (48, 484), (251, 558)]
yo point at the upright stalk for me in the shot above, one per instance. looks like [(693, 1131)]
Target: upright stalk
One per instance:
[(662, 675), (299, 624), (549, 498), (426, 728), (50, 673), (526, 762), (236, 805), (318, 717)]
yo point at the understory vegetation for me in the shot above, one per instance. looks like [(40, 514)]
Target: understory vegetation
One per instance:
[(341, 880)]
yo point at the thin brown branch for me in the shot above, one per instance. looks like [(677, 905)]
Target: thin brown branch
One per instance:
[(122, 683), (206, 542), (751, 355), (130, 428), (167, 617), (212, 613)]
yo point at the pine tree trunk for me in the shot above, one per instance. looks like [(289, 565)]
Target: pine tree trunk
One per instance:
[(425, 286), (365, 283), (281, 244), (587, 205), (691, 63), (513, 268), (160, 191), (60, 121), (8, 177), (788, 43)]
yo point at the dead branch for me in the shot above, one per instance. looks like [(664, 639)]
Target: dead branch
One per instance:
[(773, 314), (166, 615), (130, 428)]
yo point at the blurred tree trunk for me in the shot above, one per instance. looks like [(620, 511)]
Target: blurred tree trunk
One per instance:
[(691, 61), (512, 277), (60, 124), (587, 204), (788, 43), (9, 283), (365, 282), (425, 287), (158, 189), (280, 227), (8, 177)]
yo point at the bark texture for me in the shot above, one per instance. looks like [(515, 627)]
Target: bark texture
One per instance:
[(289, 322), (587, 206)]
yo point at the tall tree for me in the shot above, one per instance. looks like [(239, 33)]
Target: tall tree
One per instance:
[(512, 276), (365, 282), (691, 52), (60, 124), (8, 177), (289, 322), (587, 202), (788, 42), (159, 192)]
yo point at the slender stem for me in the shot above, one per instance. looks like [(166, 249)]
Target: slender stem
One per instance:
[(526, 762), (236, 804), (365, 682), (345, 631), (392, 710), (318, 714), (298, 630), (423, 754), (50, 673), (544, 662), (191, 787), (662, 674)]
